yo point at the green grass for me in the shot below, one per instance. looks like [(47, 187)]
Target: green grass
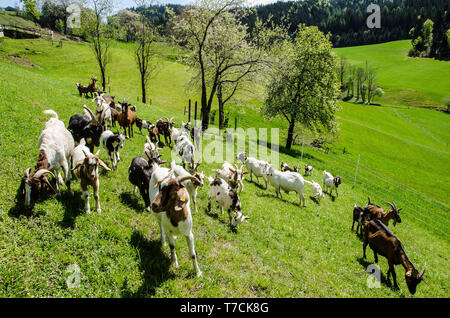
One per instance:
[(10, 18), (406, 80), (281, 251)]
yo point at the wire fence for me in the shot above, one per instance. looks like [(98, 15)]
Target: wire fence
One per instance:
[(365, 177)]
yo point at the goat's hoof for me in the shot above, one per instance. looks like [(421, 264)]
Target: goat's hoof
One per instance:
[(175, 264), (199, 273), (147, 209)]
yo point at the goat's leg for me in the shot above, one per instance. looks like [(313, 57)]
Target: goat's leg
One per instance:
[(394, 276), (135, 189), (66, 169), (302, 198), (353, 224), (192, 254), (365, 245), (209, 205), (375, 256), (96, 196), (173, 255), (87, 207)]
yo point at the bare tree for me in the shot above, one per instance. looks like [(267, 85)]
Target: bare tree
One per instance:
[(143, 52), (99, 34)]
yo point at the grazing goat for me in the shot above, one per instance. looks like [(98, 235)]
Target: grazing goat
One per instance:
[(285, 167), (376, 212), (308, 170), (170, 200), (126, 119), (317, 190), (85, 168), (255, 166), (382, 241), (287, 181), (232, 174), (330, 182), (82, 127), (139, 174), (165, 129), (55, 147), (185, 149), (227, 198), (112, 142), (190, 185)]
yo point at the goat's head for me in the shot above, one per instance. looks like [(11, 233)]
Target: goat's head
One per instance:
[(91, 163), (238, 216), (413, 278), (268, 169), (242, 157), (395, 213), (337, 181), (173, 195), (33, 184)]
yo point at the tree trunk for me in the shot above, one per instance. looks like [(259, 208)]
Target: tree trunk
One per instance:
[(102, 69), (220, 100), (290, 134), (144, 100)]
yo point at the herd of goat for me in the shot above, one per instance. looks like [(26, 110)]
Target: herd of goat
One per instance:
[(168, 192)]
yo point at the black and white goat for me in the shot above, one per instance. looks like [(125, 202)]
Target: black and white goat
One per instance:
[(232, 174), (308, 170), (227, 198), (86, 126), (112, 143), (185, 149)]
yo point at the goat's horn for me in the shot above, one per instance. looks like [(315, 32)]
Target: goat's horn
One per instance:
[(368, 198), (392, 206), (148, 155), (27, 172), (423, 272), (90, 113), (183, 178), (395, 205), (42, 172)]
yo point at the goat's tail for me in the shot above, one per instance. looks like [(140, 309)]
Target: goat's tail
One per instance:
[(51, 112), (308, 182), (82, 142), (172, 164)]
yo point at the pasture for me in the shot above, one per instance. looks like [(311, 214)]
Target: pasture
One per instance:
[(283, 250)]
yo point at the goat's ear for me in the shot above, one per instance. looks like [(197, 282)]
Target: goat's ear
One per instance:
[(180, 201), (103, 165), (246, 172)]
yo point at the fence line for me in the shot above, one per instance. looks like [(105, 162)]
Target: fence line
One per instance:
[(425, 222)]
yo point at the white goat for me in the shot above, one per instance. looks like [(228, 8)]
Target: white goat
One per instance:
[(103, 110), (190, 185), (330, 182), (227, 198), (55, 147), (232, 174), (86, 170), (317, 191), (185, 149), (287, 181), (183, 131), (170, 205), (255, 166)]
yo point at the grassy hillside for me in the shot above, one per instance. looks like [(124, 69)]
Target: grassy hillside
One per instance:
[(11, 18), (406, 80), (281, 251)]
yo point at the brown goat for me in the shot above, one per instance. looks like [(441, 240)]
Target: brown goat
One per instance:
[(82, 89), (165, 129), (359, 215), (376, 212), (126, 119), (382, 241), (92, 87)]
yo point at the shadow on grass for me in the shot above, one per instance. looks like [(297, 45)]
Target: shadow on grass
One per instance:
[(73, 206), (131, 201), (153, 263), (274, 196), (19, 209), (216, 215), (383, 278)]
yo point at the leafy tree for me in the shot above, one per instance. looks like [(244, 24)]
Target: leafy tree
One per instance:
[(304, 87), (193, 30), (31, 9)]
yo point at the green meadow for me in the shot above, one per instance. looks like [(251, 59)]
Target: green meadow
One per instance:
[(283, 250)]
